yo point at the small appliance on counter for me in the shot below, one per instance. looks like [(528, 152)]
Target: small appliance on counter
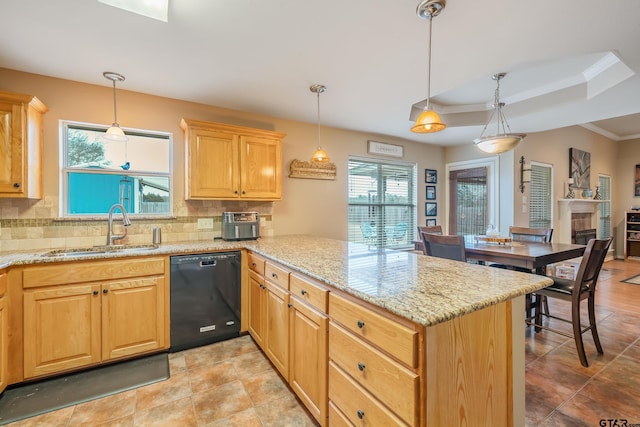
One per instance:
[(240, 226)]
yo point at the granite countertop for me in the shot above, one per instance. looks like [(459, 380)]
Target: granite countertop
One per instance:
[(424, 289)]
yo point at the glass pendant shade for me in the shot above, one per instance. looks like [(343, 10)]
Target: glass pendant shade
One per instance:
[(428, 121), (115, 133), (320, 156), (502, 141)]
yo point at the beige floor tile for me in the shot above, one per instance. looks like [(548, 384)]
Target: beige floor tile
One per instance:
[(265, 387), (284, 412), (250, 364), (246, 418), (175, 388), (106, 409), (220, 402), (59, 418), (211, 376), (175, 413)]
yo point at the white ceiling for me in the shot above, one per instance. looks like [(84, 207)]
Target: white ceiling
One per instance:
[(569, 62)]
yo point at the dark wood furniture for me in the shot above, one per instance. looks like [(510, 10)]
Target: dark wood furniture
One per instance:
[(450, 247), (434, 229), (583, 287), (525, 234)]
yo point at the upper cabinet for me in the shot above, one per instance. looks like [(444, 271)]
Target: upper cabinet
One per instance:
[(228, 162), (21, 146)]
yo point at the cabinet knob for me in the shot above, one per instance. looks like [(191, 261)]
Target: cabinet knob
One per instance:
[(289, 305), (360, 324), (104, 291), (96, 292), (303, 292), (235, 192), (360, 413), (16, 185), (274, 275), (243, 192), (253, 264), (361, 366)]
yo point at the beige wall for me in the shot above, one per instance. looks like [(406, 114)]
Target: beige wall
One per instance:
[(309, 206)]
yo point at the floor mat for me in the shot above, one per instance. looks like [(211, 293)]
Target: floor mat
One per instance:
[(37, 398), (634, 280)]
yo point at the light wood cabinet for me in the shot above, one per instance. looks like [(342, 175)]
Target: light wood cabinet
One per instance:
[(257, 310), (227, 162), (71, 322), (4, 332), (277, 327), (374, 375), (21, 143)]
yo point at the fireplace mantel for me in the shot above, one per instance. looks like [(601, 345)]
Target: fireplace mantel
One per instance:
[(567, 207)]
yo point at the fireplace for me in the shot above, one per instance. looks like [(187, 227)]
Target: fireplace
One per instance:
[(582, 237), (576, 215)]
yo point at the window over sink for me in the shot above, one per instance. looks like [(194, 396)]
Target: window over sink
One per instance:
[(97, 173)]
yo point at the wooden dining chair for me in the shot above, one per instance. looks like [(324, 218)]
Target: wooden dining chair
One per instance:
[(524, 234), (442, 246), (575, 291), (433, 229)]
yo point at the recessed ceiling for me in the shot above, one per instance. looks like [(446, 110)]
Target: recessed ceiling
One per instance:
[(570, 64)]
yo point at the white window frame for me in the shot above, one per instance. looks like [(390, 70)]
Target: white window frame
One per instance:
[(63, 171)]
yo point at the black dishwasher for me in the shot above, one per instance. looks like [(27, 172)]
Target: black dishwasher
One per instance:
[(205, 299)]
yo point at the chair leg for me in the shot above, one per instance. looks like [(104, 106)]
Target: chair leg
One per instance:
[(577, 334), (537, 309), (545, 305), (592, 323)]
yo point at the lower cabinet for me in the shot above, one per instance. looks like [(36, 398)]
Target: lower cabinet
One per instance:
[(82, 324), (277, 327), (4, 332)]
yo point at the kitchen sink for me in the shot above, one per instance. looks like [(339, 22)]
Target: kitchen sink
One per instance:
[(97, 250)]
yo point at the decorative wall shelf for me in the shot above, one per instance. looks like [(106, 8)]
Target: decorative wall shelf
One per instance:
[(310, 170)]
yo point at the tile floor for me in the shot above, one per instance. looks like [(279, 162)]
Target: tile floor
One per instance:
[(226, 384), (232, 383)]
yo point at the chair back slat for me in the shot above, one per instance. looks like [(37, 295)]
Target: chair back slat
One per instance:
[(450, 247), (524, 234)]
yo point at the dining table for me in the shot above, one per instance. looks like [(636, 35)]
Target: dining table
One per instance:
[(533, 256)]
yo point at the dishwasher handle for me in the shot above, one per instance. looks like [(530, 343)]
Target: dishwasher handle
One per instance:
[(208, 263)]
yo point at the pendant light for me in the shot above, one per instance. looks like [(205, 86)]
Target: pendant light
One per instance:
[(319, 156), (114, 133), (501, 141), (429, 121)]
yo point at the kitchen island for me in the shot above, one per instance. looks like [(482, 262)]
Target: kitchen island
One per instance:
[(466, 320)]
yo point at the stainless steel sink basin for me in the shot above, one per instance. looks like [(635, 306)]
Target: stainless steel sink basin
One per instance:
[(97, 250)]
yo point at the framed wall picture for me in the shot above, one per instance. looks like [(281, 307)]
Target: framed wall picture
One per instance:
[(430, 176), (431, 192), (430, 209), (636, 184), (580, 168), (431, 222)]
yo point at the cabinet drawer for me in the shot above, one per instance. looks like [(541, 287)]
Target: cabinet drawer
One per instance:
[(3, 284), (357, 404), (310, 293), (398, 340), (392, 383), (256, 263), (337, 418), (276, 274), (91, 271)]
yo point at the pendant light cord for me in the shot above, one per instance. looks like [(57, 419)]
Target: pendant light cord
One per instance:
[(115, 112), (429, 67), (318, 97)]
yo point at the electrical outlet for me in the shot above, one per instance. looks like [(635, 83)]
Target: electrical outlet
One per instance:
[(205, 223)]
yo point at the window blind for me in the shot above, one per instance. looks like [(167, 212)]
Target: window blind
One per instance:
[(468, 198), (604, 184), (540, 197), (382, 203)]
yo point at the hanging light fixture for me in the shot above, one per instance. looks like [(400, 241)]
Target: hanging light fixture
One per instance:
[(429, 121), (319, 156), (114, 133), (501, 141)]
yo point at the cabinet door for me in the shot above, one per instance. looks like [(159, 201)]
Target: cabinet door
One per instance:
[(132, 317), (212, 165), (277, 328), (256, 308), (11, 180), (308, 358), (61, 328), (260, 168)]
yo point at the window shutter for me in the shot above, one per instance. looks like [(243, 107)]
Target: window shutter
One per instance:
[(540, 197)]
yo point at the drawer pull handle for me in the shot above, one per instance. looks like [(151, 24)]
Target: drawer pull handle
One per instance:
[(104, 291), (95, 292), (303, 292), (274, 275), (360, 413), (361, 366), (360, 324), (253, 264)]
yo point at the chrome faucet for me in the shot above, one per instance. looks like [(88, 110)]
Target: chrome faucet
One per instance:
[(125, 221)]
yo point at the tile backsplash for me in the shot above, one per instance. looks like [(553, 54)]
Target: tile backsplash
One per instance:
[(34, 224)]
